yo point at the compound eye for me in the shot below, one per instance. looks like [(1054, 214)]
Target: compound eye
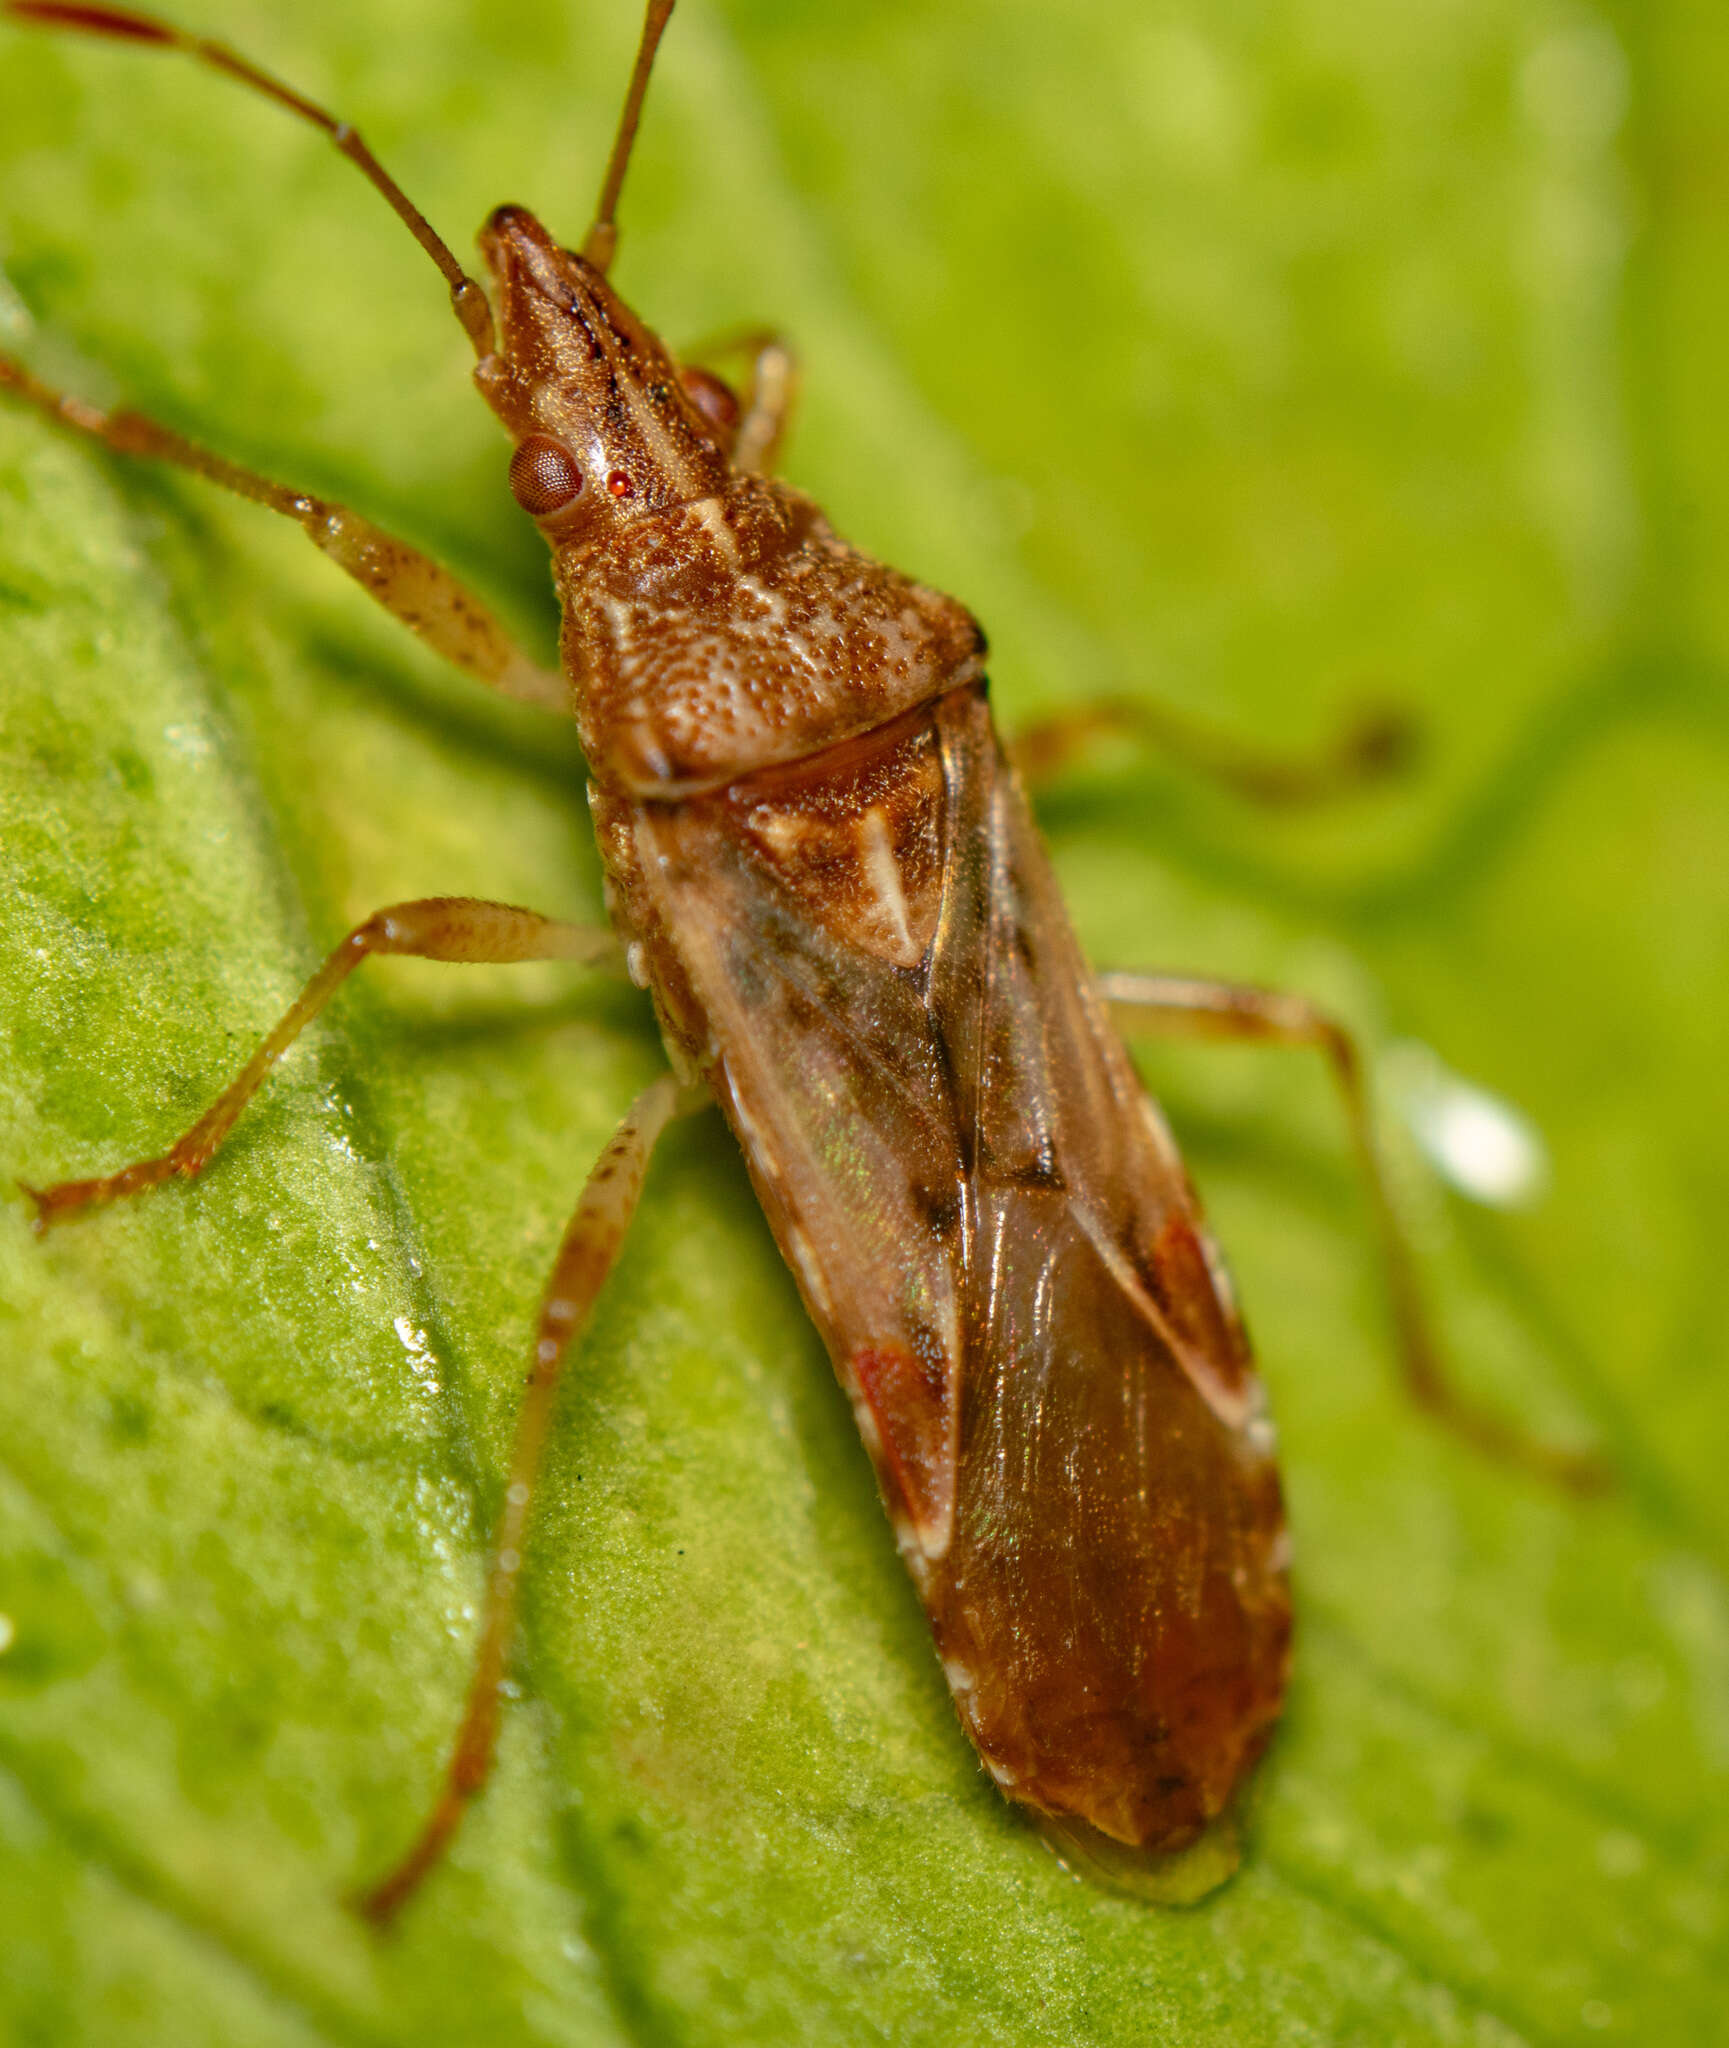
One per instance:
[(544, 477)]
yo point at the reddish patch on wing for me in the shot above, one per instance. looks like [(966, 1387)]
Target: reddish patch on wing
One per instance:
[(1187, 1289), (912, 1408)]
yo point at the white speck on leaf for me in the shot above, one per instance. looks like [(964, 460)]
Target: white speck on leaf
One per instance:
[(1477, 1142)]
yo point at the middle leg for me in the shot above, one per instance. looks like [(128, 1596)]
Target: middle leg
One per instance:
[(1373, 746)]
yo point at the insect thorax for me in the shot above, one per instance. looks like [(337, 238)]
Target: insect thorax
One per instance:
[(738, 631)]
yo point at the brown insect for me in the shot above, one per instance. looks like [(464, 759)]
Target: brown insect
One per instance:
[(821, 864)]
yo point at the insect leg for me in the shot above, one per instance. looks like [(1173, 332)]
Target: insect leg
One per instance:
[(1180, 1006), (412, 587), (752, 432), (768, 403), (462, 928), (591, 1244), (1375, 745)]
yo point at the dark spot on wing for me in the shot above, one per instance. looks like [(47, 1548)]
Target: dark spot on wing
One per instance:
[(939, 1206)]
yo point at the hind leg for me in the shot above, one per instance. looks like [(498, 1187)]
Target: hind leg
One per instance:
[(1186, 1007)]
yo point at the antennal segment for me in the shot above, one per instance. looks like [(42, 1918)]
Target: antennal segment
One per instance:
[(466, 296), (600, 244)]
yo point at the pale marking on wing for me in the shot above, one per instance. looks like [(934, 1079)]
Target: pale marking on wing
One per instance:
[(935, 1540), (871, 1437), (782, 829), (808, 1270), (751, 1138), (882, 871), (918, 1566), (1232, 1409), (949, 1333)]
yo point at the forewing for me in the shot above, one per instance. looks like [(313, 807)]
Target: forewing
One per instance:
[(801, 954), (999, 1245), (1113, 1612)]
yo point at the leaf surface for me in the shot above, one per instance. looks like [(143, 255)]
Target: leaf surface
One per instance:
[(1271, 361)]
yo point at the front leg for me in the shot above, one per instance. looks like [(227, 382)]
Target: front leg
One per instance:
[(1183, 1006), (432, 603), (755, 429), (768, 403)]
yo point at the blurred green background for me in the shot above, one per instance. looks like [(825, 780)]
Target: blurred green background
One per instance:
[(1267, 359)]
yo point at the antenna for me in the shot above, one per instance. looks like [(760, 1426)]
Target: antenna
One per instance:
[(600, 244), (466, 297)]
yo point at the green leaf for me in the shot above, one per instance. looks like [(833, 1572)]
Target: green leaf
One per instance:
[(1269, 360)]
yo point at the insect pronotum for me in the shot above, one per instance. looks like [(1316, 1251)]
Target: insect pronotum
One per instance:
[(821, 865)]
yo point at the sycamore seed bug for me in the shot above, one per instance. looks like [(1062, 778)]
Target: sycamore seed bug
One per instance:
[(822, 866)]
